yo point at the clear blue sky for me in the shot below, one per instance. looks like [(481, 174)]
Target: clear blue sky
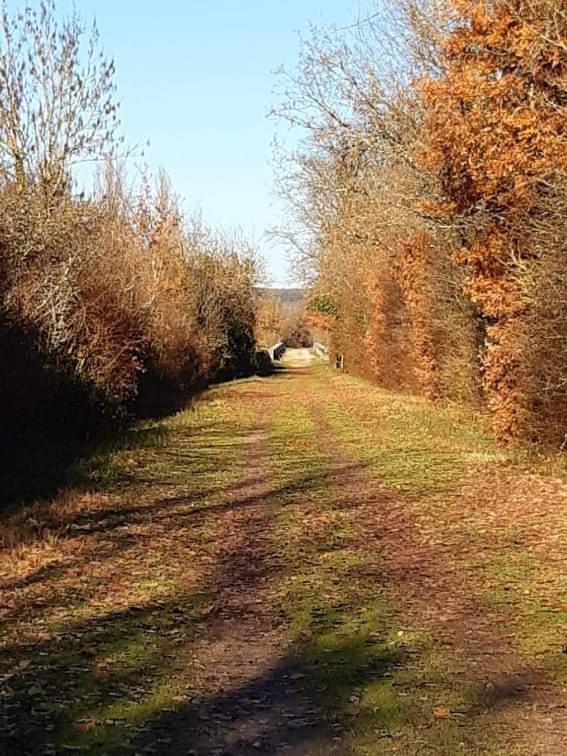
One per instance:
[(195, 78)]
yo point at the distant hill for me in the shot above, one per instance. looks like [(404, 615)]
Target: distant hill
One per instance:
[(288, 297)]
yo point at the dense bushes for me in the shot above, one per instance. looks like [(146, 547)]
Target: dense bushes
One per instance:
[(297, 335), (432, 212), (120, 301), (110, 301)]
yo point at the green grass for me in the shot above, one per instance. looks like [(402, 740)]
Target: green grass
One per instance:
[(174, 472), (537, 626), (412, 446), (377, 680), (110, 656)]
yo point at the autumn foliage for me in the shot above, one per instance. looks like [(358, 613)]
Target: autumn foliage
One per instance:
[(112, 302), (434, 177), (495, 125)]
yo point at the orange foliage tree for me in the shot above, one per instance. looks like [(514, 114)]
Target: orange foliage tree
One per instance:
[(413, 273), (430, 190), (495, 137)]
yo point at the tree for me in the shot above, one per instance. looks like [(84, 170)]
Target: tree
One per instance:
[(357, 193), (57, 105), (495, 126)]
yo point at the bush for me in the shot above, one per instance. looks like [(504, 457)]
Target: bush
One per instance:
[(110, 303), (298, 336)]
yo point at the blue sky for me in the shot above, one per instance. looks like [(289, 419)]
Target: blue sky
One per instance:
[(195, 78)]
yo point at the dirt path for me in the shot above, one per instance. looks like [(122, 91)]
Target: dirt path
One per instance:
[(249, 702), (300, 565)]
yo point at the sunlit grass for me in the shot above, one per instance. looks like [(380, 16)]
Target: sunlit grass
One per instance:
[(117, 643), (514, 579), (412, 446), (379, 681)]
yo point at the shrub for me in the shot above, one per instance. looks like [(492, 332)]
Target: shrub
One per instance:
[(110, 303)]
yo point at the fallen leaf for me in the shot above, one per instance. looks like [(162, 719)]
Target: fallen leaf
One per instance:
[(84, 725), (441, 712)]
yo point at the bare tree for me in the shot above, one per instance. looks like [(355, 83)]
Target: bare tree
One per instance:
[(57, 98)]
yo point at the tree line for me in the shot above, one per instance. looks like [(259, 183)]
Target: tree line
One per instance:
[(427, 201), (112, 303)]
